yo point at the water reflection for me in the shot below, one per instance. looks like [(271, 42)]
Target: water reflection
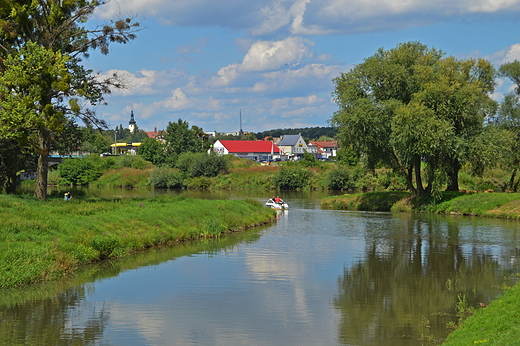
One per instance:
[(60, 313), (313, 277), (406, 287)]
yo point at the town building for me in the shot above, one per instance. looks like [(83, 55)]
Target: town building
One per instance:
[(326, 149), (253, 150), (293, 145)]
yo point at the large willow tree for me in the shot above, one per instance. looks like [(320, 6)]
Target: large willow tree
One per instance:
[(412, 107), (42, 82)]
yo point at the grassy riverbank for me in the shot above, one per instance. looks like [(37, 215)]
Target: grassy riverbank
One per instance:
[(501, 205), (496, 324), (42, 241)]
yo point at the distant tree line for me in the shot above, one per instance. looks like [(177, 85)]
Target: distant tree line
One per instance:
[(308, 133)]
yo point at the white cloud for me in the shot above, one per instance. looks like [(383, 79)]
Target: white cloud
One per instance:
[(508, 54), (270, 55), (309, 17), (177, 101)]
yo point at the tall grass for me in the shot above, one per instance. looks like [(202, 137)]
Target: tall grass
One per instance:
[(40, 241)]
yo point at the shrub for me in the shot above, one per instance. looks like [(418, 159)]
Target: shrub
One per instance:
[(204, 165), (166, 177), (77, 171), (139, 163), (198, 183), (291, 178), (339, 178), (127, 160)]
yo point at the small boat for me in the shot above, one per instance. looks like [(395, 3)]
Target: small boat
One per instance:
[(277, 205)]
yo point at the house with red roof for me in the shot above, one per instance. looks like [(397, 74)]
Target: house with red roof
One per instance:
[(253, 150), (327, 149)]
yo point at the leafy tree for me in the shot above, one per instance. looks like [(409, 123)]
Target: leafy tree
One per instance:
[(411, 106), (181, 139), (152, 150), (508, 119), (42, 82), (511, 70), (13, 159)]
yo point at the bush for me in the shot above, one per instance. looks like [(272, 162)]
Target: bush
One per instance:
[(339, 178), (139, 163), (291, 178), (198, 183), (166, 177), (204, 165), (77, 171), (127, 160)]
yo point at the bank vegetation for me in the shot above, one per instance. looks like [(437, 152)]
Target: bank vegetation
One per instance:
[(44, 241)]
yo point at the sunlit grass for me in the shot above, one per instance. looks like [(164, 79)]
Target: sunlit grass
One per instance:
[(42, 240)]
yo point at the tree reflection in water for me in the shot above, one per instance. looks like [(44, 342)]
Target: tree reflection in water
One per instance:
[(60, 313), (52, 321), (429, 270)]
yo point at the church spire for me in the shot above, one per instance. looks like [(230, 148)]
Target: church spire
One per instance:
[(131, 123)]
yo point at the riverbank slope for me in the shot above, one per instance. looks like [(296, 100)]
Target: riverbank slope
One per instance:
[(501, 205), (43, 241)]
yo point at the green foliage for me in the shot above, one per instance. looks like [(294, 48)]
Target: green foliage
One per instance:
[(152, 150), (308, 160), (128, 161), (291, 178), (181, 139), (339, 178), (309, 133), (139, 163), (205, 165), (77, 171), (411, 105), (166, 177)]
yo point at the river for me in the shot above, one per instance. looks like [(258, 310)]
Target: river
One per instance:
[(314, 277)]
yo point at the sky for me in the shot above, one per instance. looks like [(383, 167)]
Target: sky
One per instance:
[(272, 63)]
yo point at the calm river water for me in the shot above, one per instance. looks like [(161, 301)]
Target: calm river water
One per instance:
[(315, 277)]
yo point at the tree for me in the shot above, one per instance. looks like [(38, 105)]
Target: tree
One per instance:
[(248, 137), (43, 84), (181, 139), (13, 158), (511, 70), (411, 106), (152, 150)]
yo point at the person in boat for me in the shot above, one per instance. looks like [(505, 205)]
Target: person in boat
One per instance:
[(278, 200)]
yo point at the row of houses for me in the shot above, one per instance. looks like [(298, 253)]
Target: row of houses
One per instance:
[(284, 148)]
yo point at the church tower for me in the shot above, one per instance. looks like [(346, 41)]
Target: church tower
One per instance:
[(131, 123)]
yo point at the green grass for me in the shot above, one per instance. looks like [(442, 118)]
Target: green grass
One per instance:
[(45, 240), (496, 324), (501, 205)]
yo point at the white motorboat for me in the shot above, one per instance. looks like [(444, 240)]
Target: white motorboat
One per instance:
[(277, 205)]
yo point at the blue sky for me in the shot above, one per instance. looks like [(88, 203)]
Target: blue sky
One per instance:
[(205, 61)]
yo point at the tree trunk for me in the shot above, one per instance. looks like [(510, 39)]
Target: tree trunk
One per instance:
[(403, 170), (418, 178), (10, 187), (40, 190), (409, 177), (512, 180), (431, 172), (453, 176)]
